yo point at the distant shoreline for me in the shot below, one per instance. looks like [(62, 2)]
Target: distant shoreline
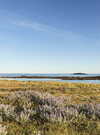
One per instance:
[(56, 77)]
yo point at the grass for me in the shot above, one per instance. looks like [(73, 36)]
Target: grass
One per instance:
[(38, 107), (78, 92)]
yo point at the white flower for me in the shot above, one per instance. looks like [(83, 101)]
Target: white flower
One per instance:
[(3, 130)]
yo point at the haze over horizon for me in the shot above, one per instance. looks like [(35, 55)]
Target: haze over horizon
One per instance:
[(49, 36)]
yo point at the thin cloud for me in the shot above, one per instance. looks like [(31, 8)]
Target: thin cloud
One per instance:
[(35, 26), (47, 28)]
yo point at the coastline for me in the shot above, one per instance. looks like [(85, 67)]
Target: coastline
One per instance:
[(56, 77)]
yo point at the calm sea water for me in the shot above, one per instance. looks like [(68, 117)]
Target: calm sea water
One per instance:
[(40, 74), (75, 81)]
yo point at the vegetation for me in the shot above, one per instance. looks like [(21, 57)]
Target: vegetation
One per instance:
[(49, 108)]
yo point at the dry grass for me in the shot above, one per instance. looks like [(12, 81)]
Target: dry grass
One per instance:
[(75, 93), (78, 92)]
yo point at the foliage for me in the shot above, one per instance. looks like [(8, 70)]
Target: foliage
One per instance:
[(38, 108)]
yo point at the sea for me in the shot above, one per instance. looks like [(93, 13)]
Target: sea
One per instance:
[(47, 79)]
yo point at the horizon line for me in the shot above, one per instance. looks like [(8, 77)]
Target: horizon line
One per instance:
[(47, 73)]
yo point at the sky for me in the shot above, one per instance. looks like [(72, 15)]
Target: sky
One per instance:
[(49, 36)]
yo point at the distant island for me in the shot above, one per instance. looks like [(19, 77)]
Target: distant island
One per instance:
[(80, 74)]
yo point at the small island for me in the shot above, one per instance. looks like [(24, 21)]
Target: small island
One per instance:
[(80, 74)]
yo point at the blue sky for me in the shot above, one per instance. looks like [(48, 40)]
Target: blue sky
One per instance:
[(49, 36)]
